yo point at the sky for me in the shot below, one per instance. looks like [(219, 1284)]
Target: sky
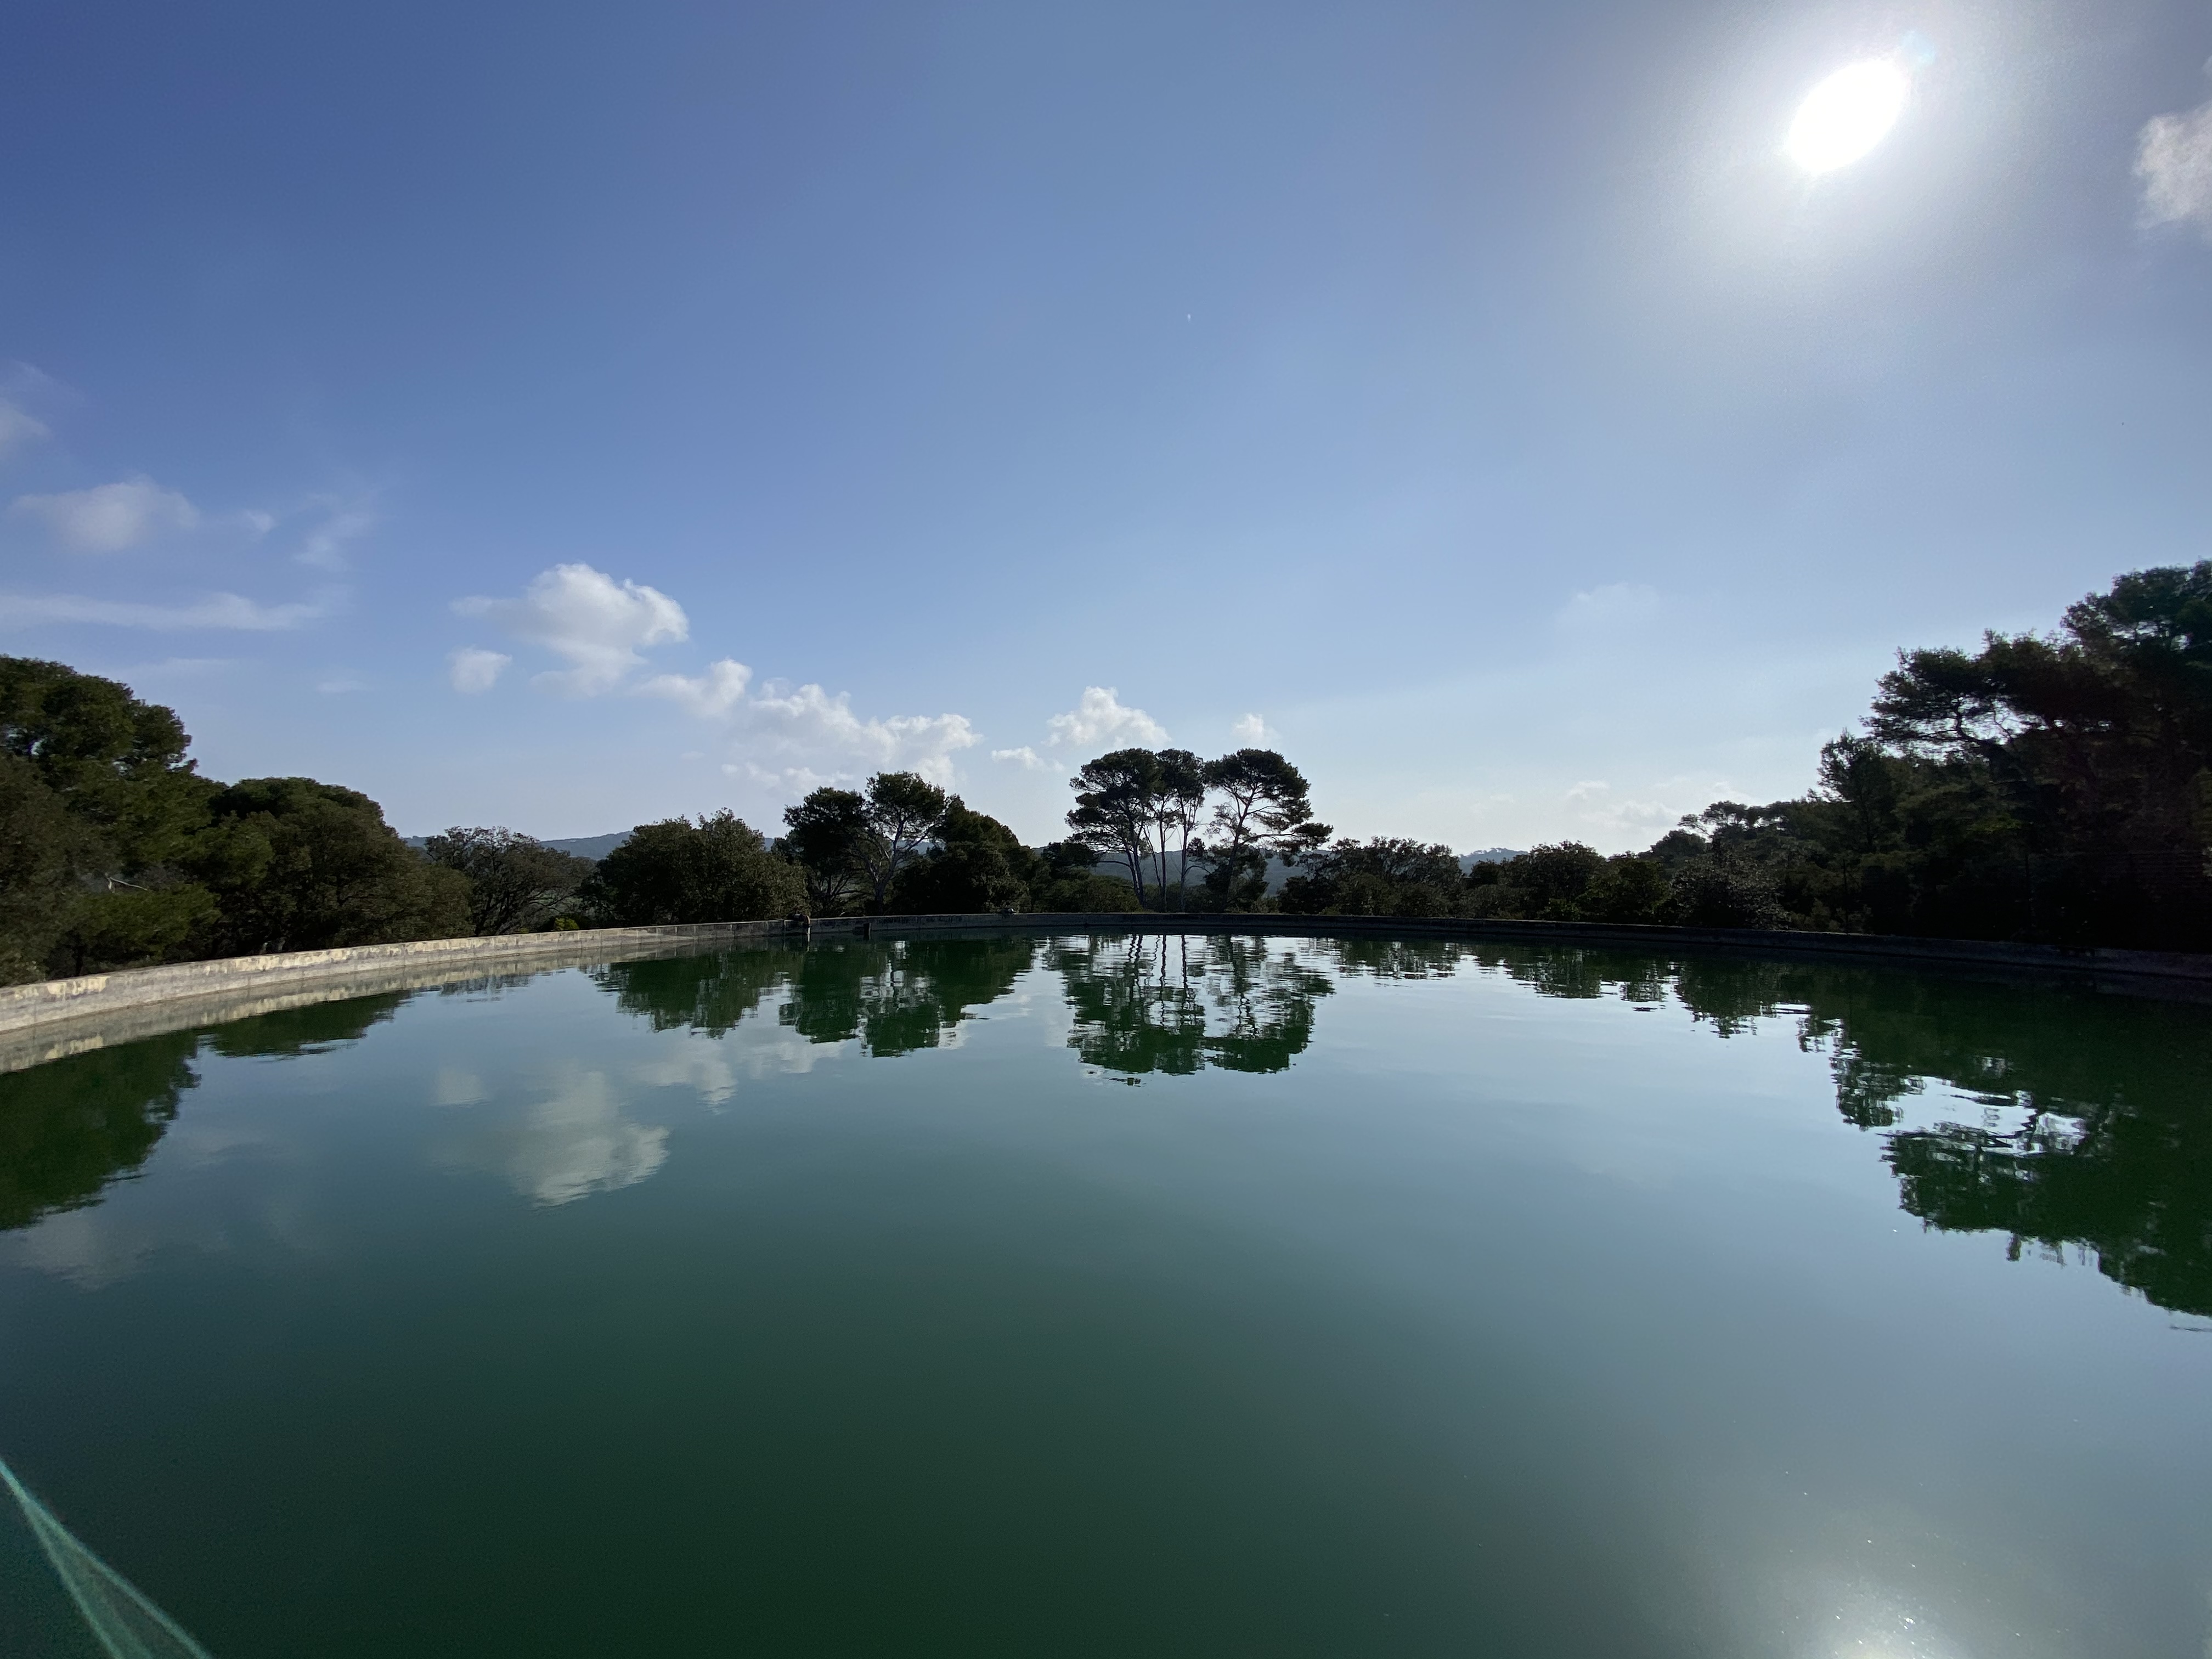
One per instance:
[(569, 416)]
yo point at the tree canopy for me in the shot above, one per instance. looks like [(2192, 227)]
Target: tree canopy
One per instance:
[(717, 869), (516, 883)]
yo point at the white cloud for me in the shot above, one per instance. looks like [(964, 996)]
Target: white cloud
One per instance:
[(790, 780), (2173, 159), (1641, 820), (584, 615), (1025, 757), (338, 683), (783, 737), (1100, 718), (258, 523), (108, 518), (217, 611), (808, 727), (1252, 730), (18, 427), (325, 546), (473, 669), (715, 692)]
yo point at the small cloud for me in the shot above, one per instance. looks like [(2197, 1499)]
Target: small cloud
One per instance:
[(1599, 809), (473, 669), (1100, 717), (177, 666), (1025, 757), (1252, 730), (709, 695), (257, 524), (2173, 160), (19, 426), (586, 616), (325, 546), (109, 518), (338, 683), (1616, 606), (790, 780), (217, 611)]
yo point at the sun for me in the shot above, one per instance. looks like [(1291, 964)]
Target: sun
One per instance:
[(1846, 115)]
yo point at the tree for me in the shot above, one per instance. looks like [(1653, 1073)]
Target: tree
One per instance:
[(1547, 882), (2042, 788), (117, 764), (1176, 807), (516, 883), (42, 847), (903, 811), (1723, 889), (295, 865), (97, 804), (1116, 796), (823, 834), (1067, 879), (1264, 809), (1625, 888), (1387, 876), (978, 864), (718, 869)]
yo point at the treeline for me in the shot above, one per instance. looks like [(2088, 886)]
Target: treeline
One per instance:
[(2053, 788), (116, 853)]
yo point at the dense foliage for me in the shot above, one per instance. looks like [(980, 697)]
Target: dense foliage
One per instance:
[(718, 869), (517, 884), (114, 852)]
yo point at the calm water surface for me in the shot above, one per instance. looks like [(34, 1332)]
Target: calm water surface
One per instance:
[(1126, 1296)]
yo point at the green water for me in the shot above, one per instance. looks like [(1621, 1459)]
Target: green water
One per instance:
[(1126, 1296)]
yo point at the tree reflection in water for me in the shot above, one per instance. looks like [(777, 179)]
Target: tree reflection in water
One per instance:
[(72, 1127), (2089, 1126), (896, 997), (2094, 1127), (1176, 1003)]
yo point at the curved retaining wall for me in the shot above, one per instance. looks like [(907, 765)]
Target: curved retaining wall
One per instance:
[(54, 1018)]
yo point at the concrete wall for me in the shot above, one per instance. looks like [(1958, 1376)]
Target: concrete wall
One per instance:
[(59, 1017)]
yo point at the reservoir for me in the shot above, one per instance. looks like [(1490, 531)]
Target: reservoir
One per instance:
[(1126, 1294)]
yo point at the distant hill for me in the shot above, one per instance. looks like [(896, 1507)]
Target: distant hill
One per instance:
[(594, 848), (591, 847)]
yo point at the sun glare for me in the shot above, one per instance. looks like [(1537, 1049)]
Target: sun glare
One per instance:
[(1846, 115)]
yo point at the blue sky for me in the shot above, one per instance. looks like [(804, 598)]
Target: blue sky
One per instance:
[(565, 416)]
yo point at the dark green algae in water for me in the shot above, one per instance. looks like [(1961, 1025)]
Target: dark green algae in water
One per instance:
[(1129, 1295)]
